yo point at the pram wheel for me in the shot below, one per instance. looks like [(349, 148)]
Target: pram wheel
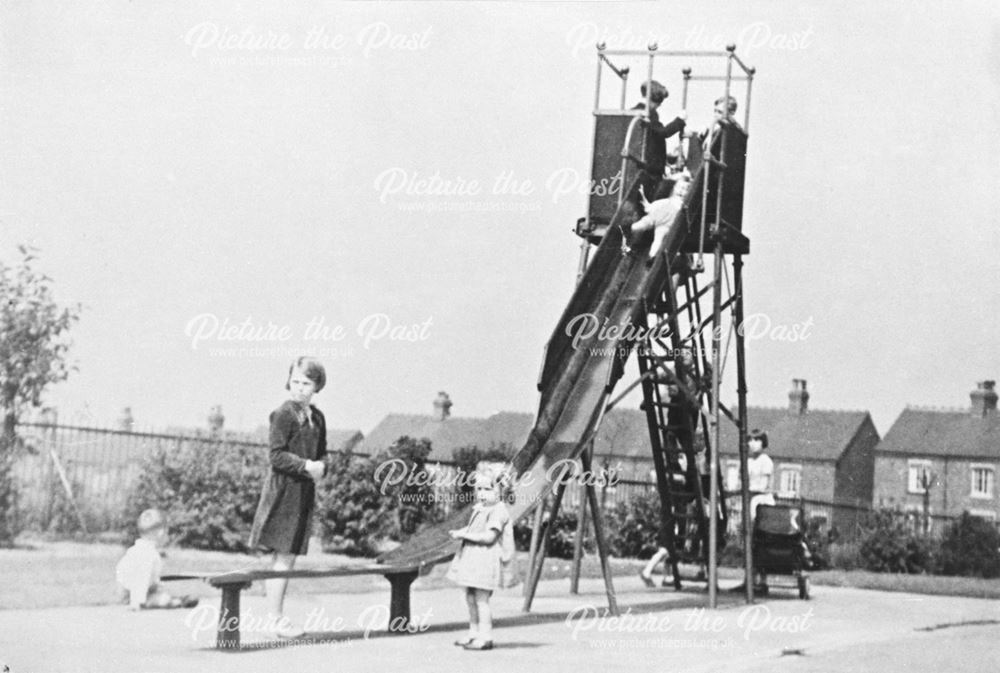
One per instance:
[(804, 587)]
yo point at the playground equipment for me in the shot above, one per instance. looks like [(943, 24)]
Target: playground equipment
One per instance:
[(681, 331)]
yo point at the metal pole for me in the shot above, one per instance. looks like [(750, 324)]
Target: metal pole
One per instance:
[(584, 254), (624, 76), (649, 80), (729, 79), (746, 112), (713, 468), (581, 515), (536, 534), (581, 529), (741, 392), (684, 104), (602, 545), (597, 89)]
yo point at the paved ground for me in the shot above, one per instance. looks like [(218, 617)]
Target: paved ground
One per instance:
[(840, 629)]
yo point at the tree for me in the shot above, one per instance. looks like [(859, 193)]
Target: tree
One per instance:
[(33, 355)]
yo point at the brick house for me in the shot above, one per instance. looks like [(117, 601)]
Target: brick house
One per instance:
[(823, 459), (939, 463), (622, 442)]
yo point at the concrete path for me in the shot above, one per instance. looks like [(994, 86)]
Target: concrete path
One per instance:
[(840, 629)]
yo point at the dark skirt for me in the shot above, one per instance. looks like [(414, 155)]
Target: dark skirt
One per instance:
[(283, 522)]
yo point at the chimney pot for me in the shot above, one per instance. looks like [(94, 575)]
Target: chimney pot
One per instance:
[(216, 420), (984, 399), (126, 421), (442, 406), (798, 397)]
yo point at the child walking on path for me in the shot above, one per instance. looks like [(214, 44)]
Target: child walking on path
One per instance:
[(487, 543), (297, 446)]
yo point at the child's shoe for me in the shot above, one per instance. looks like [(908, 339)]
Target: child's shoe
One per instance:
[(479, 645)]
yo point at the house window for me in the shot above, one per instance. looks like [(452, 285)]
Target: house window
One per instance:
[(920, 476), (986, 514), (789, 481), (982, 481)]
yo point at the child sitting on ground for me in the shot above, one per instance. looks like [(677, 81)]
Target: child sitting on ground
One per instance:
[(138, 572)]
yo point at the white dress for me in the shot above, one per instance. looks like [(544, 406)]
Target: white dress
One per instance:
[(138, 572), (478, 565)]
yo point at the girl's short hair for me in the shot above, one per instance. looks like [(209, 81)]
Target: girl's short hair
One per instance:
[(731, 103), (657, 92), (757, 433), (500, 479), (313, 370)]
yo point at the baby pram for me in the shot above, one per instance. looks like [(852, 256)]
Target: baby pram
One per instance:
[(779, 546)]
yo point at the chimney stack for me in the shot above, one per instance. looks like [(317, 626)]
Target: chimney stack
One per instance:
[(798, 397), (126, 422), (216, 420), (984, 399), (442, 406)]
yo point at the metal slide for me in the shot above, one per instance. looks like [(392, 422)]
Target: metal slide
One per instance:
[(577, 377)]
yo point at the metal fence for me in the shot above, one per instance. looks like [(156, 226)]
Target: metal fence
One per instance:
[(100, 466)]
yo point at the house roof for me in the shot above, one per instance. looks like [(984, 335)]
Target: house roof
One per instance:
[(940, 433), (623, 433), (452, 433), (342, 440), (815, 435)]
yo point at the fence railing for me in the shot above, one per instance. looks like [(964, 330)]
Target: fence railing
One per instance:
[(100, 466)]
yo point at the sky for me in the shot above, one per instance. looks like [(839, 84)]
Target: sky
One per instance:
[(393, 186)]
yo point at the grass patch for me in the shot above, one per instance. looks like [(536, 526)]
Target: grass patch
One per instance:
[(77, 573), (934, 585)]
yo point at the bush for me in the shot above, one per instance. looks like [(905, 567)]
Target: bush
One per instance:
[(366, 501), (411, 498), (971, 547), (561, 540), (208, 490), (633, 527), (818, 542), (888, 544), (353, 515), (732, 555), (844, 555)]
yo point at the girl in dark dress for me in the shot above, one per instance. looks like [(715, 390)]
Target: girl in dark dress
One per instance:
[(297, 447)]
